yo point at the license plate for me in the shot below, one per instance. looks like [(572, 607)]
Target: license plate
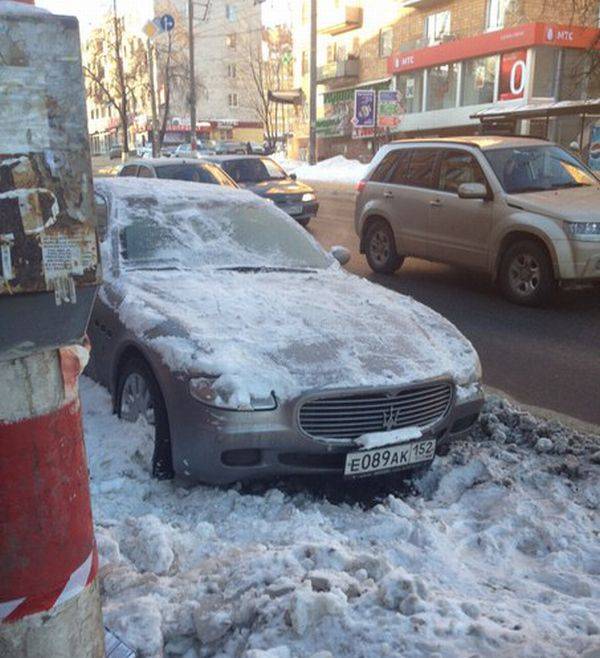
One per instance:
[(295, 210), (390, 458)]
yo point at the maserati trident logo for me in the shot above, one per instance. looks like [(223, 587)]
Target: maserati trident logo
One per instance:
[(391, 418)]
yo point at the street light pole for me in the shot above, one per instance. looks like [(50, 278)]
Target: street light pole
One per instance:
[(153, 99), (312, 141), (192, 55)]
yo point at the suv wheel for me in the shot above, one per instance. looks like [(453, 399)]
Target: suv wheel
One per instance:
[(139, 398), (526, 275), (380, 248)]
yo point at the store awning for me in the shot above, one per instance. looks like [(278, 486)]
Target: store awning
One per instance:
[(287, 97), (540, 110)]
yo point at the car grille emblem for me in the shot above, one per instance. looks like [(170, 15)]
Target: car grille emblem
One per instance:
[(391, 418)]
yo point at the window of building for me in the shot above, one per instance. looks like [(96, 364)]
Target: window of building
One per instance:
[(437, 26), (231, 41), (479, 81), (386, 40), (331, 53), (458, 167), (231, 71), (442, 84), (410, 86), (231, 12), (497, 11), (233, 100), (304, 62)]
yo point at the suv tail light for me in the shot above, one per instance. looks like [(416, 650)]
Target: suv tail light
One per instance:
[(360, 186)]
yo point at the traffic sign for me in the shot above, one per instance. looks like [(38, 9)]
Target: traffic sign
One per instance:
[(167, 22)]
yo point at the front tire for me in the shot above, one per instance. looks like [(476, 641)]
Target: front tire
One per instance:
[(139, 397), (380, 248), (526, 275)]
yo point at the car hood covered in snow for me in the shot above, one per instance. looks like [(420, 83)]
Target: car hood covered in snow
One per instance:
[(290, 332)]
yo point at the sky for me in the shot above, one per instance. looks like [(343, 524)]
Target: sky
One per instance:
[(89, 13)]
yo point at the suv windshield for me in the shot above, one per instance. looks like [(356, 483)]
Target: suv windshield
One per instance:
[(190, 232), (253, 170), (538, 168)]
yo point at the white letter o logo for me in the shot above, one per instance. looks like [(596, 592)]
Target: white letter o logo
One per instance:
[(518, 67)]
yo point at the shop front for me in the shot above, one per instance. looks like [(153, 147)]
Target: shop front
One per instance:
[(443, 87)]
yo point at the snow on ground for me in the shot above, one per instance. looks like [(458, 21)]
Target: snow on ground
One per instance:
[(495, 552), (335, 170)]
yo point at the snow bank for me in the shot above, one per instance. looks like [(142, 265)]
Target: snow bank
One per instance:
[(496, 556), (335, 170)]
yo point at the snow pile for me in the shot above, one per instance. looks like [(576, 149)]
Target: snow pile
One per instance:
[(335, 170), (496, 556)]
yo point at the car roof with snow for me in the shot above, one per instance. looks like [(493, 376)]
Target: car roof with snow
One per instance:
[(164, 162), (483, 142)]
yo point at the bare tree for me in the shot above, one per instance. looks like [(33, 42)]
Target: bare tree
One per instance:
[(116, 68)]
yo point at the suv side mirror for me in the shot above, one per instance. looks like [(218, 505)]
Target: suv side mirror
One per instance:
[(341, 254), (293, 177), (473, 191)]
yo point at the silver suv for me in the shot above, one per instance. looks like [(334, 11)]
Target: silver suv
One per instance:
[(523, 210)]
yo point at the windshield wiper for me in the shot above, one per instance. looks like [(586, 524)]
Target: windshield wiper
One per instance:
[(264, 268)]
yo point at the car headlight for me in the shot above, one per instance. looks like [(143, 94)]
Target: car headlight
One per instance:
[(308, 197), (583, 230), (205, 390)]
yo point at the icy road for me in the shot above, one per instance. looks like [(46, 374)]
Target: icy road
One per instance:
[(496, 553)]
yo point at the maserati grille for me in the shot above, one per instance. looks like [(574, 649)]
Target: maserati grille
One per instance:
[(350, 416)]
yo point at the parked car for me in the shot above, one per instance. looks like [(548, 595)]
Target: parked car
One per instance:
[(115, 152), (187, 170), (523, 210), (203, 148), (230, 147), (265, 177), (250, 352)]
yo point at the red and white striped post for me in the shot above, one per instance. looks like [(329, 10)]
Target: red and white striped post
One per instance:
[(49, 597)]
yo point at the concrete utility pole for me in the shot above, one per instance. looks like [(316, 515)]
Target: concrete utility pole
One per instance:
[(153, 99), (312, 140), (192, 44)]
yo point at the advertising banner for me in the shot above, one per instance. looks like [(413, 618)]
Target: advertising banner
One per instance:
[(389, 109), (513, 75), (594, 159), (364, 108)]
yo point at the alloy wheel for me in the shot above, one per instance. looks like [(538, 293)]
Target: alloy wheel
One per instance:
[(380, 247), (524, 274), (136, 400)]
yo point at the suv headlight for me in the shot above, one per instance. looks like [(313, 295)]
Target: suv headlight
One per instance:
[(583, 230), (308, 197), (204, 390)]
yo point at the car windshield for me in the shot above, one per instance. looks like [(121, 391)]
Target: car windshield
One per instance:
[(187, 232), (253, 170), (195, 173), (538, 168)]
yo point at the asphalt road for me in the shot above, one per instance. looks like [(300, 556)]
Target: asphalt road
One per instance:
[(548, 358)]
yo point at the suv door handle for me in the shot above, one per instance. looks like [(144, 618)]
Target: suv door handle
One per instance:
[(436, 203), (388, 195)]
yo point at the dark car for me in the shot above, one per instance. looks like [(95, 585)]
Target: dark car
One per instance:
[(265, 177), (177, 169)]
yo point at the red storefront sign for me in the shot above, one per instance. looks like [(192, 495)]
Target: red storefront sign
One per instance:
[(513, 75), (513, 38)]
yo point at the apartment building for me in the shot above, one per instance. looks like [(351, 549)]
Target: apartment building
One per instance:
[(448, 59), (228, 36)]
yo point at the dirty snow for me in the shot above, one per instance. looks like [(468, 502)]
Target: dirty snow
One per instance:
[(494, 553), (393, 437), (299, 330)]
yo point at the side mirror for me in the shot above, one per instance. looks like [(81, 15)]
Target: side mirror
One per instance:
[(341, 254), (293, 177), (472, 191)]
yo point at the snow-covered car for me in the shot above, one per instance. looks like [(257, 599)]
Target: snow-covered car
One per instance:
[(250, 352)]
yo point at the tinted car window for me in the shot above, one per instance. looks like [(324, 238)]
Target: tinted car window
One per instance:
[(144, 172), (421, 170), (129, 170), (188, 172), (458, 167), (400, 173), (253, 170), (382, 172)]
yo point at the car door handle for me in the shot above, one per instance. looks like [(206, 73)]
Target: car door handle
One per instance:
[(436, 203), (388, 195)]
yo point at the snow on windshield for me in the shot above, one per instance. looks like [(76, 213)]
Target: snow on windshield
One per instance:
[(174, 223)]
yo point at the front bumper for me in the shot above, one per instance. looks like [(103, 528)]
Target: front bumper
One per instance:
[(578, 260), (309, 210), (221, 447)]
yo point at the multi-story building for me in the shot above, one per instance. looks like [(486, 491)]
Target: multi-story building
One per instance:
[(228, 38), (448, 59)]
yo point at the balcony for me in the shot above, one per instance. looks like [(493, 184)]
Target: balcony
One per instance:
[(342, 19), (344, 72)]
